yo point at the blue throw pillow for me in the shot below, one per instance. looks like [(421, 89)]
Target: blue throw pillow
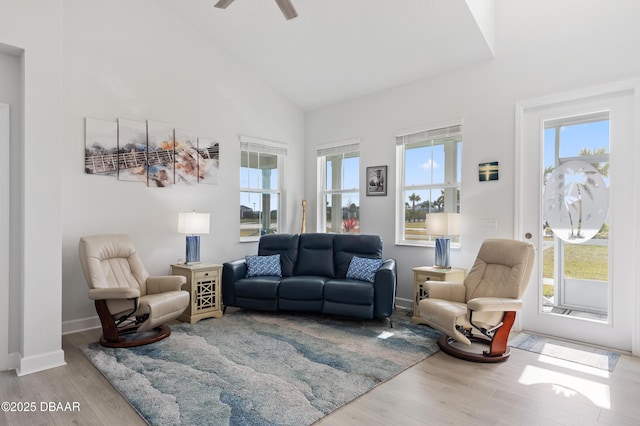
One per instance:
[(363, 269), (258, 266)]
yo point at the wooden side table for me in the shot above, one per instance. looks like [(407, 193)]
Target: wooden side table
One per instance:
[(203, 284), (429, 273)]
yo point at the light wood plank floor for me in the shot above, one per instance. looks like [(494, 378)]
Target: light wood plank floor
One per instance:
[(528, 389)]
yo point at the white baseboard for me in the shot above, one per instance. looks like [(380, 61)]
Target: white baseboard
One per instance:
[(33, 364), (82, 324), (405, 303)]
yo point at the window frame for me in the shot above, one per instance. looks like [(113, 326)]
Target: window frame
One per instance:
[(322, 152), (263, 146), (453, 158)]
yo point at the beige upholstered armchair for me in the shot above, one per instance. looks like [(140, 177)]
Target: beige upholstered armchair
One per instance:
[(483, 308), (128, 300)]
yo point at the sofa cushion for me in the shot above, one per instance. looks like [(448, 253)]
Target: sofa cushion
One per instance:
[(315, 255), (257, 287), (302, 288), (349, 291), (363, 269), (260, 266), (286, 245), (346, 246)]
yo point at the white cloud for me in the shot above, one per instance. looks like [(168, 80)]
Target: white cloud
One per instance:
[(429, 165)]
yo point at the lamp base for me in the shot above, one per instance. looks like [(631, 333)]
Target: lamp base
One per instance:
[(442, 253), (193, 249)]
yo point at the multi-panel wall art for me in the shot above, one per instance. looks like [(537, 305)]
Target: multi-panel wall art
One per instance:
[(151, 152)]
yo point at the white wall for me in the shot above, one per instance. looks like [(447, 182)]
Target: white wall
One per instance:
[(138, 60), (109, 60), (541, 48), (10, 138), (35, 29)]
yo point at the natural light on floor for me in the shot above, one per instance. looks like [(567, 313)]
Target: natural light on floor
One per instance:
[(567, 385), (384, 335)]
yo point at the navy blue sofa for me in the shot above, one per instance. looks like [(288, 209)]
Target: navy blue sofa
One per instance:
[(314, 269)]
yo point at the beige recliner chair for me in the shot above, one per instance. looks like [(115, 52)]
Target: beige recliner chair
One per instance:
[(128, 300), (483, 308)]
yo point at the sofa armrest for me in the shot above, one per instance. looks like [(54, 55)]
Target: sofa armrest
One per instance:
[(445, 290), (164, 283), (113, 293), (232, 272), (385, 289)]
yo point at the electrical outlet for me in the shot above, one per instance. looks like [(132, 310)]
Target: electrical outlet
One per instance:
[(489, 224)]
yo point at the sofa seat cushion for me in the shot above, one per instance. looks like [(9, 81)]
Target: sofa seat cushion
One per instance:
[(302, 288), (257, 287), (352, 292)]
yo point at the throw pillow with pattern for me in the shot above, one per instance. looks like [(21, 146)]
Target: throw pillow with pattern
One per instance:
[(363, 269), (260, 266)]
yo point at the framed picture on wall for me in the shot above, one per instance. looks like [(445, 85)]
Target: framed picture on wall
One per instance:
[(377, 180)]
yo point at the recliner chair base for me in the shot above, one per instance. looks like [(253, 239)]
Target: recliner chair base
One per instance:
[(144, 338), (453, 348), (112, 336)]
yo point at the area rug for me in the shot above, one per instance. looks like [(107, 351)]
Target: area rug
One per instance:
[(581, 354), (251, 368)]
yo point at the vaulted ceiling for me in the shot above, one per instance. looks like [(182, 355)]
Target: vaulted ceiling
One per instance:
[(341, 49)]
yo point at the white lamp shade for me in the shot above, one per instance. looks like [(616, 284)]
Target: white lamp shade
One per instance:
[(443, 224), (193, 223)]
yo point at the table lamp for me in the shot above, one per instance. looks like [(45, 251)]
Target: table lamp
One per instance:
[(443, 225), (192, 224)]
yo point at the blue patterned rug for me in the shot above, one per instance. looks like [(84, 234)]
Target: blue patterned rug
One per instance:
[(251, 368)]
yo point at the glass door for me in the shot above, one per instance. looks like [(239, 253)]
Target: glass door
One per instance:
[(574, 204)]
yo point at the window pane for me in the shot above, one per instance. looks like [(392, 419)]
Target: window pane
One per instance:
[(258, 170), (418, 165), (576, 276), (258, 213), (343, 212)]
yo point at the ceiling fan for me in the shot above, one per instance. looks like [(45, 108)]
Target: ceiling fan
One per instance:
[(285, 6)]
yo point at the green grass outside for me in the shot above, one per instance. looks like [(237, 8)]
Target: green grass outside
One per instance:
[(581, 261)]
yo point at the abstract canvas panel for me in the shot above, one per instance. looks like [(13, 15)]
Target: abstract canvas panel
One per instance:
[(132, 150), (209, 161), (150, 151), (160, 154), (187, 158), (100, 147)]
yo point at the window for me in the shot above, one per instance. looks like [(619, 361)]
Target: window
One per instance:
[(339, 188), (428, 171), (261, 164)]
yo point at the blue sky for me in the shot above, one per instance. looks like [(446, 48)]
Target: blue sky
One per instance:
[(573, 138)]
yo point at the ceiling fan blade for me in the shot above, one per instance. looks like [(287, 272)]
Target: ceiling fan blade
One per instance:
[(287, 9), (222, 4)]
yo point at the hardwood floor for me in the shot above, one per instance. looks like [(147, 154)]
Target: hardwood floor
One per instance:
[(529, 389)]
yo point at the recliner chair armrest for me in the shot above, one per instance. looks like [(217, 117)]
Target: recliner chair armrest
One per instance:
[(445, 290), (113, 293), (164, 283), (494, 304)]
